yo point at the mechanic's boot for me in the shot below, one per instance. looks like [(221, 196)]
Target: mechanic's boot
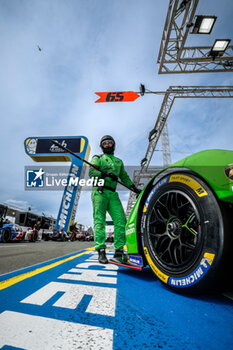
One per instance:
[(102, 257), (120, 257)]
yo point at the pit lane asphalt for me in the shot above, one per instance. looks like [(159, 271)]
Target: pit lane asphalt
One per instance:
[(17, 255)]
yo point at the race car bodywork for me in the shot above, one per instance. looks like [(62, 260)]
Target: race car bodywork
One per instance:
[(181, 223), (11, 232)]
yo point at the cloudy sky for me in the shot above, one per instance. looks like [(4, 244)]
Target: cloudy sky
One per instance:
[(90, 46)]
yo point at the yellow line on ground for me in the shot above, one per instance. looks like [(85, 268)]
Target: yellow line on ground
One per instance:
[(9, 282)]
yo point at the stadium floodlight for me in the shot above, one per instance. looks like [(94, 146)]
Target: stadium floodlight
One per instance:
[(152, 134), (219, 47), (143, 162), (203, 24)]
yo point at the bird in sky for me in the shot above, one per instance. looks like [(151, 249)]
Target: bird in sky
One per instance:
[(39, 48)]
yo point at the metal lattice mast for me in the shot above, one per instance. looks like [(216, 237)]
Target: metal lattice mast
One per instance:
[(169, 97), (159, 125), (165, 146), (174, 57)]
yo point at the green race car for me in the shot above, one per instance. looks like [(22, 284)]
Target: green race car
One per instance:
[(182, 223)]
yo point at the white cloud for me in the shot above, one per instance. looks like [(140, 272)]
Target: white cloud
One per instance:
[(24, 205)]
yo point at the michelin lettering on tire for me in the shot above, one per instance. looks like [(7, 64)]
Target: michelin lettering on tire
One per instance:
[(196, 275), (185, 281)]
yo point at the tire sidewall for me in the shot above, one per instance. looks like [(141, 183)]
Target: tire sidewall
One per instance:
[(7, 232), (207, 258)]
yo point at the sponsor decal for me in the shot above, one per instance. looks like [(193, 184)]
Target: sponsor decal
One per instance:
[(131, 229), (56, 149), (136, 260), (31, 145), (66, 203), (156, 187), (196, 275), (159, 274), (189, 181), (45, 145)]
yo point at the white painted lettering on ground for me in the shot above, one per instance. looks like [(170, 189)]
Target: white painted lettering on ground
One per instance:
[(86, 265), (90, 276), (38, 332), (103, 300)]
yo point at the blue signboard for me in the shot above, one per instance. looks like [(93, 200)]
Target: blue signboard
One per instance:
[(41, 149)]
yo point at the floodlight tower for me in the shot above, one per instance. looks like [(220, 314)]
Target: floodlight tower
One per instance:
[(175, 57)]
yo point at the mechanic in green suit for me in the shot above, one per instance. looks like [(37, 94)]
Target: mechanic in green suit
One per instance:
[(106, 199)]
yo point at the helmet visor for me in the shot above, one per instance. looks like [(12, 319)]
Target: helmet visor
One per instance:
[(107, 143)]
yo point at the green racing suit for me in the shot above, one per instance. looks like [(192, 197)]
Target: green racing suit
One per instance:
[(108, 200)]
